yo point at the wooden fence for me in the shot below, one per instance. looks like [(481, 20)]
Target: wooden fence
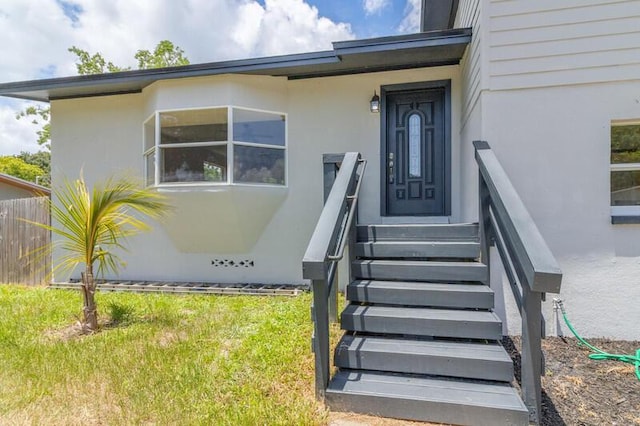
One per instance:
[(24, 254)]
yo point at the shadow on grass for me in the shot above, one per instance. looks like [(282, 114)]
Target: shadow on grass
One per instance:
[(550, 415)]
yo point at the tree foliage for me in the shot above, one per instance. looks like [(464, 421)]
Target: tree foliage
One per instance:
[(40, 116), (41, 159), (93, 225), (165, 54), (17, 167), (87, 64)]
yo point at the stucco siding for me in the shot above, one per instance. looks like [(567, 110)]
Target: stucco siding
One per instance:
[(97, 136), (267, 228), (471, 130), (554, 144), (549, 43), (553, 76)]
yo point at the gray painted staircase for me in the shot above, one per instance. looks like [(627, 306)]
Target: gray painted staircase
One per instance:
[(421, 340)]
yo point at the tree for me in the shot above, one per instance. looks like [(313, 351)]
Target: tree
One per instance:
[(165, 54), (41, 159), (17, 167), (94, 224), (87, 64), (39, 116)]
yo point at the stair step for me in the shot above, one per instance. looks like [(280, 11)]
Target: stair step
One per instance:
[(420, 270), (486, 361), (451, 249), (442, 295), (417, 232), (426, 399), (422, 321)]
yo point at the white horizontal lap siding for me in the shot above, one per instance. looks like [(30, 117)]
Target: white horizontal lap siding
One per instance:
[(469, 15), (550, 43)]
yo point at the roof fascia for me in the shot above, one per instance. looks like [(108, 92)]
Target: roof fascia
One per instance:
[(23, 184), (146, 77), (136, 80)]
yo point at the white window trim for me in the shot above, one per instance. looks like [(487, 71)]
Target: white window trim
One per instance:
[(625, 210), (230, 142), (625, 167), (150, 151)]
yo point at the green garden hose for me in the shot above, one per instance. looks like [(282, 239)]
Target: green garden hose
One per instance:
[(599, 353)]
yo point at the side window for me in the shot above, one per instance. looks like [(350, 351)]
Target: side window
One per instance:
[(625, 169)]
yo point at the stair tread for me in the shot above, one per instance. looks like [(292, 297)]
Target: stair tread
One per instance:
[(420, 313), (484, 361), (419, 270), (421, 243), (424, 388), (421, 321), (416, 232), (421, 249), (451, 264), (422, 285), (451, 349), (469, 295)]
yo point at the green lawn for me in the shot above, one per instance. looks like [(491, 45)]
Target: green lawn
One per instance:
[(168, 359)]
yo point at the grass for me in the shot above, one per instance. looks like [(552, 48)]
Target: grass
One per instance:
[(160, 359)]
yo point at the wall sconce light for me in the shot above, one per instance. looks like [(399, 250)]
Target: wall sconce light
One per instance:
[(374, 105)]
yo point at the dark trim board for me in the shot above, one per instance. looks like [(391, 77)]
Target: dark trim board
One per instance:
[(438, 14), (426, 49), (625, 220), (384, 90)]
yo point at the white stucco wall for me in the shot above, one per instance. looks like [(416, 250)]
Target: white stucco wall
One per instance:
[(552, 76), (554, 143), (269, 226)]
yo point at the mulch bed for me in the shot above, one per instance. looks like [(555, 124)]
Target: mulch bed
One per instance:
[(580, 391)]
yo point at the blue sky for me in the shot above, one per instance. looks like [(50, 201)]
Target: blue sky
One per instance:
[(386, 21), (37, 34)]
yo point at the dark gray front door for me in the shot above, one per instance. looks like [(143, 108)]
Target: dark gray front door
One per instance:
[(416, 153)]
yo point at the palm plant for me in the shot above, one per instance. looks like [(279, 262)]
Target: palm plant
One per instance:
[(94, 224)]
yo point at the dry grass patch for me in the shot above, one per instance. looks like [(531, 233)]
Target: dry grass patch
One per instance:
[(159, 359)]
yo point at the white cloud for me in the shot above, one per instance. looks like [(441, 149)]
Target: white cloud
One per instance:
[(411, 21), (290, 26), (36, 36), (374, 6), (16, 135)]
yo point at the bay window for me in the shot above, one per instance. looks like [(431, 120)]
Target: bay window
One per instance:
[(222, 145)]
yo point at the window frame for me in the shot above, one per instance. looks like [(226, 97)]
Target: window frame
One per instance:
[(230, 142), (622, 214), (146, 152)]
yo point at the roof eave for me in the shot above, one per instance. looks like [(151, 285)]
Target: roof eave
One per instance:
[(24, 184), (347, 57)]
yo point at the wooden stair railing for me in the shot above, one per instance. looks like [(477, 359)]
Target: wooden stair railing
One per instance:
[(335, 228), (529, 265)]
